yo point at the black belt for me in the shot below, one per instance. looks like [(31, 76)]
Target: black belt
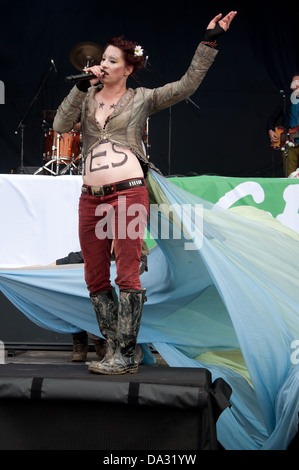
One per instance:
[(112, 188)]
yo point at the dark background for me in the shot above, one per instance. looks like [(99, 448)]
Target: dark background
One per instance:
[(221, 131)]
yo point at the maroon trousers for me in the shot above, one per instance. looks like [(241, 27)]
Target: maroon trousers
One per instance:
[(120, 218)]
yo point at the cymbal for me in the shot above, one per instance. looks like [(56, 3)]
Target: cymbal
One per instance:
[(86, 54)]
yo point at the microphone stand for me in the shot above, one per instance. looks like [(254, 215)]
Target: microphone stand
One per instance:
[(170, 121), (285, 124), (192, 102), (21, 123), (170, 128)]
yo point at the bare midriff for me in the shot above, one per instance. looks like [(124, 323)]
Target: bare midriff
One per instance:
[(109, 163)]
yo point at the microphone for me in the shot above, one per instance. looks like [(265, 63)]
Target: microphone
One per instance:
[(81, 76)]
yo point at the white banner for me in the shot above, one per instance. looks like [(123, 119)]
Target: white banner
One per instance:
[(39, 218), (39, 214)]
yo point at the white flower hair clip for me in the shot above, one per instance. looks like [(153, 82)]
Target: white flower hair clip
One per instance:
[(138, 51)]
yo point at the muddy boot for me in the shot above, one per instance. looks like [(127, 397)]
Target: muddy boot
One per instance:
[(80, 347), (99, 344), (129, 320), (105, 307)]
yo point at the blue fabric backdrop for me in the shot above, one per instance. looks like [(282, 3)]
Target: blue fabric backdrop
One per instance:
[(221, 283)]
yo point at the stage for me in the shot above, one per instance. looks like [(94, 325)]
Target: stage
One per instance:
[(227, 310), (49, 403), (223, 302)]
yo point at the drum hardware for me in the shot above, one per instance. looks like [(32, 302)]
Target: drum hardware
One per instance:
[(21, 125), (62, 153), (74, 167)]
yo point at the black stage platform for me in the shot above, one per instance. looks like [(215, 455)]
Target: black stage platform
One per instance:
[(64, 407)]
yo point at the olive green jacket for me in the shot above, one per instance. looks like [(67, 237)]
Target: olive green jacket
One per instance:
[(125, 125)]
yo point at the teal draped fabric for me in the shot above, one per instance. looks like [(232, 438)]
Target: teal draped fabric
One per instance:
[(221, 283)]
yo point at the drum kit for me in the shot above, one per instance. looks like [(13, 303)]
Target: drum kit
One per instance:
[(62, 152)]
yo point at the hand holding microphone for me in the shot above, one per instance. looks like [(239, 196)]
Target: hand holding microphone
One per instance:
[(97, 73), (93, 74)]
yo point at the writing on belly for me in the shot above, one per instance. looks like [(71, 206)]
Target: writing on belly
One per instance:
[(109, 162), (106, 156)]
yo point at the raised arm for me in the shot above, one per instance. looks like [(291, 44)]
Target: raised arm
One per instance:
[(174, 92)]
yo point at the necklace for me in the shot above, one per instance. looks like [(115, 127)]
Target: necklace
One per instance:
[(112, 106)]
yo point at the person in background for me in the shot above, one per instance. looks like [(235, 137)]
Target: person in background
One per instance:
[(287, 115), (80, 340)]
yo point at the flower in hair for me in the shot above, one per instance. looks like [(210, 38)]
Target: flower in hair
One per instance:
[(138, 51)]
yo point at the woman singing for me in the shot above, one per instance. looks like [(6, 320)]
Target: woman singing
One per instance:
[(113, 118)]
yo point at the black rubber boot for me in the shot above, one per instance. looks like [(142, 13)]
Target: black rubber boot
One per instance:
[(129, 320), (105, 307)]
